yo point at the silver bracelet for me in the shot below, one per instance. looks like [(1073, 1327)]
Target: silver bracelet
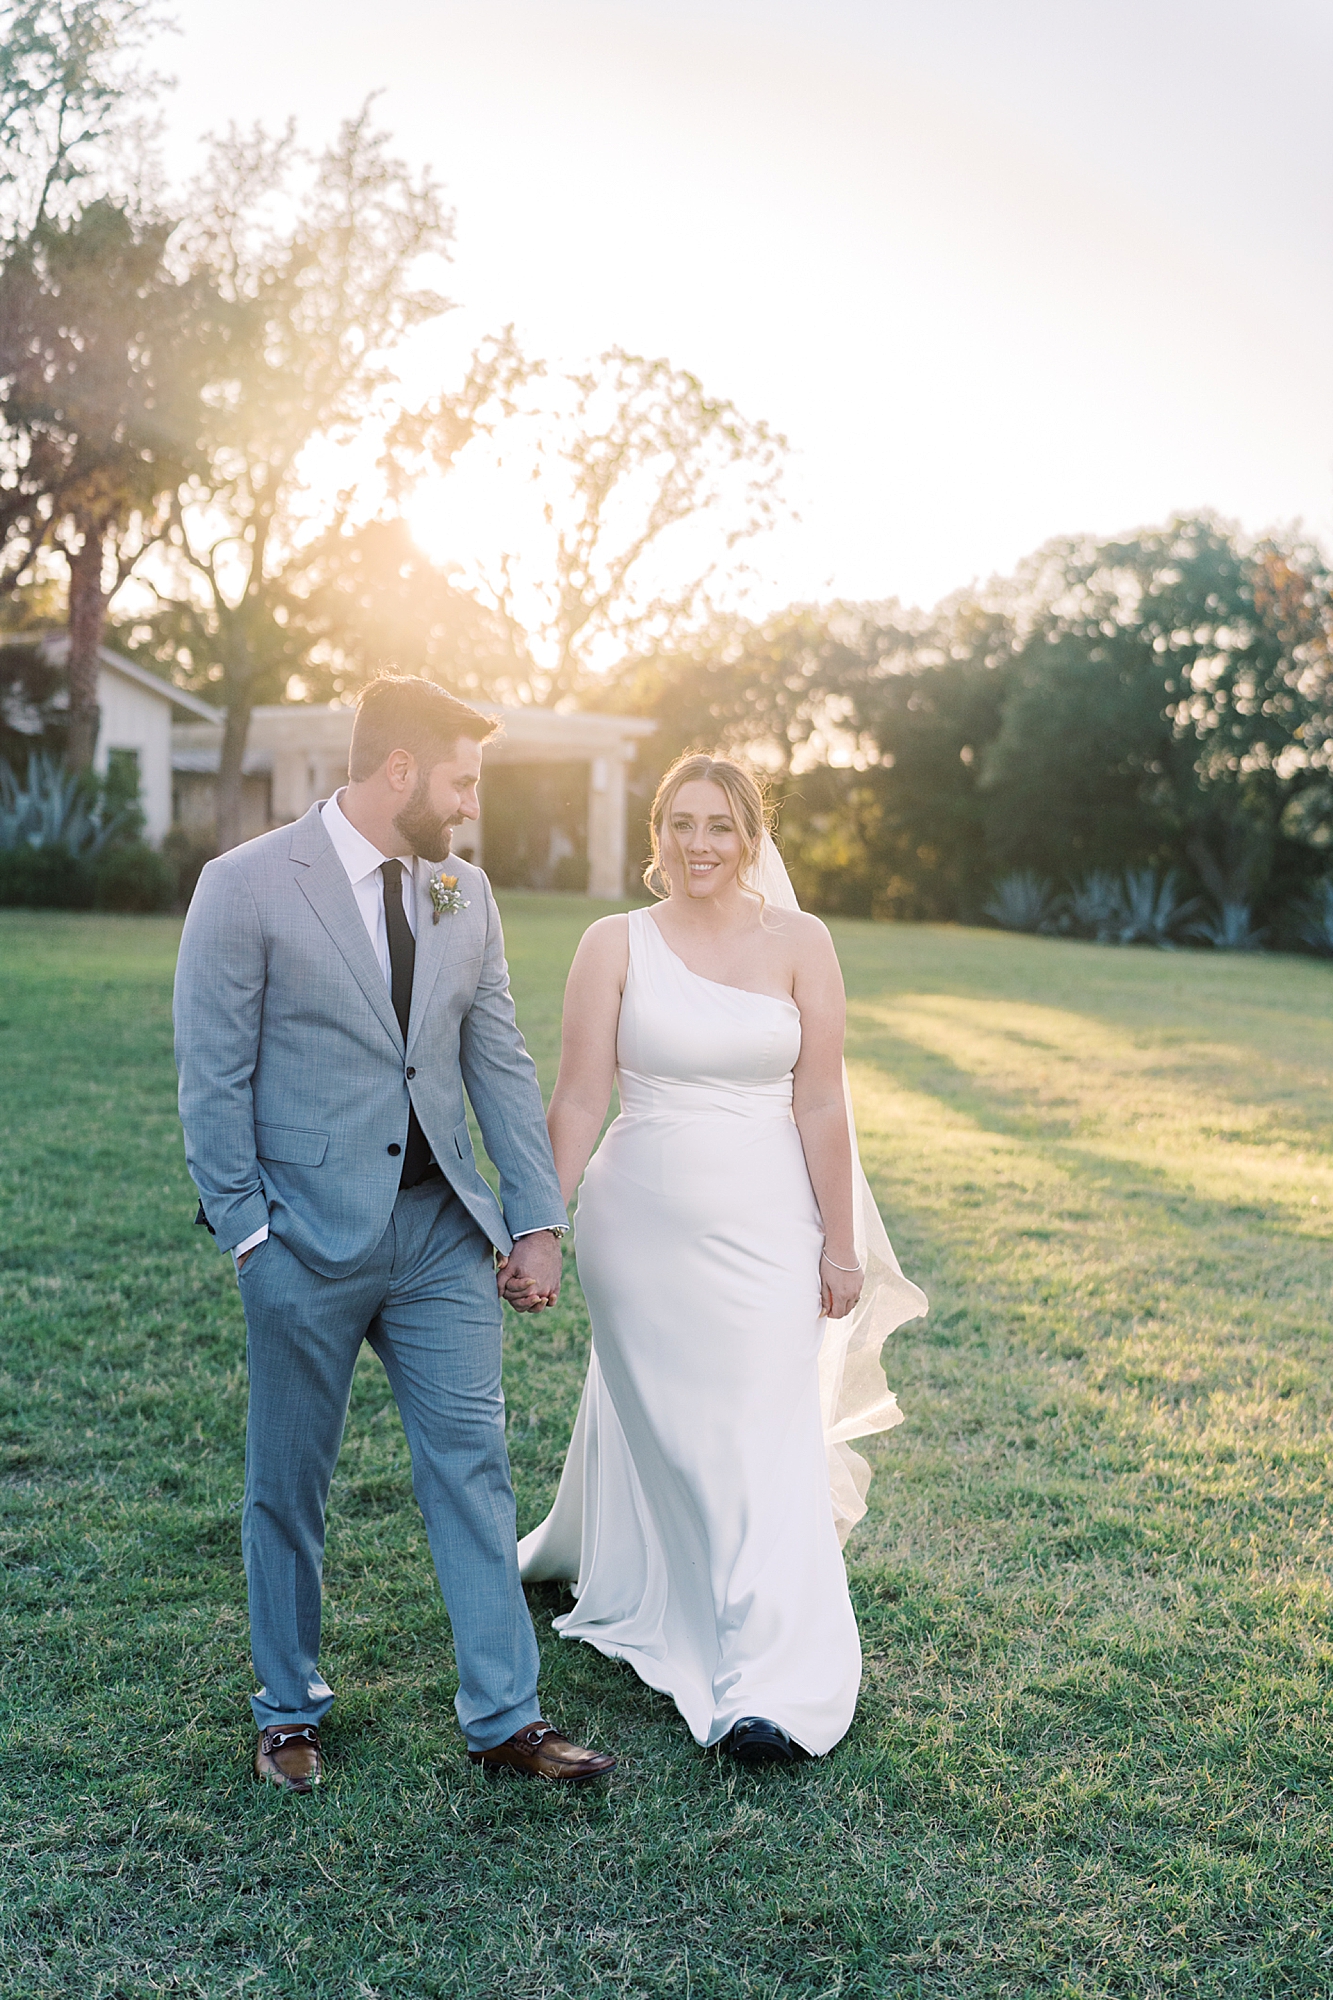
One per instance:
[(824, 1258)]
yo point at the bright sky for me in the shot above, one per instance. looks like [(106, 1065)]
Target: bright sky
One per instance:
[(1000, 269)]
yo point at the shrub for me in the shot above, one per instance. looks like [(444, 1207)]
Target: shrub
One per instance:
[(188, 854), (1023, 901), (1231, 929), (68, 842), (1154, 911), (1096, 906), (1314, 919), (45, 878), (134, 878), (58, 809)]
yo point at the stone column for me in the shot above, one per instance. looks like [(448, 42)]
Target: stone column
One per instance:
[(467, 838), (292, 789), (606, 825)]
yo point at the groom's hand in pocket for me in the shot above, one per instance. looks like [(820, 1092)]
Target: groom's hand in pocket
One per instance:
[(529, 1277)]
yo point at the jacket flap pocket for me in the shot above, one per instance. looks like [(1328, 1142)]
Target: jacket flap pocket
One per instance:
[(463, 1142), (291, 1144)]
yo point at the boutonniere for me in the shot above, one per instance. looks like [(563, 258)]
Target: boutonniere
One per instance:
[(445, 901)]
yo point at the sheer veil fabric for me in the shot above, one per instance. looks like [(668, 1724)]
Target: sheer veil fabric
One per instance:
[(855, 1398)]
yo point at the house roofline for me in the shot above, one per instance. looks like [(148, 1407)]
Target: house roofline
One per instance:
[(55, 647)]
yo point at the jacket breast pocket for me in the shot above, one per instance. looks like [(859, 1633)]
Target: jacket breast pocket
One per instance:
[(290, 1144)]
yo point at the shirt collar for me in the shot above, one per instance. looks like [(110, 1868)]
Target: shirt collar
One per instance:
[(359, 856)]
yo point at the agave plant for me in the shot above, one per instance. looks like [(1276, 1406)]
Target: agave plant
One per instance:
[(53, 808), (1097, 906), (1023, 901), (1230, 929), (1314, 918), (1154, 910)]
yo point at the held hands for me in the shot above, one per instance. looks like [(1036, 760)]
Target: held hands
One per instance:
[(839, 1290), (528, 1279)]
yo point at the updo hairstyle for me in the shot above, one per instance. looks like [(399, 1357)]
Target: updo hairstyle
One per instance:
[(745, 800)]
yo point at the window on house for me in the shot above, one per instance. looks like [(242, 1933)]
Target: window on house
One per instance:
[(122, 779)]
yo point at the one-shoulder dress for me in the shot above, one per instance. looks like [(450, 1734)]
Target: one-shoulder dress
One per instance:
[(694, 1517)]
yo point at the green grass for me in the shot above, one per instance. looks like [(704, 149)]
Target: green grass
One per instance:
[(1092, 1751)]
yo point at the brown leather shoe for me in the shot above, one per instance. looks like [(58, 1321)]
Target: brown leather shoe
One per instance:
[(289, 1755), (542, 1752)]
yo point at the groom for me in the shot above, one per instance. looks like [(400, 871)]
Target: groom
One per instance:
[(335, 994)]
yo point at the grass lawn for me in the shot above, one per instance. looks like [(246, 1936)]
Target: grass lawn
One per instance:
[(1092, 1752)]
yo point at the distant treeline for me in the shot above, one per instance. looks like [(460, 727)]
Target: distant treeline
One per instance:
[(1164, 700)]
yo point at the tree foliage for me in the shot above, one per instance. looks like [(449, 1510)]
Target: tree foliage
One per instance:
[(371, 602), (95, 419), (317, 260), (1163, 699), (1171, 697), (615, 474), (105, 355), (72, 96)]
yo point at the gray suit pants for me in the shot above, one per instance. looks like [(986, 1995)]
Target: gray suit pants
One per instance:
[(425, 1300)]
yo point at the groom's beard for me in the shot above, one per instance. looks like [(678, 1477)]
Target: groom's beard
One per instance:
[(425, 831)]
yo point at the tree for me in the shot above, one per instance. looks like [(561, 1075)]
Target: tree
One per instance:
[(1162, 698), (69, 85), (621, 467), (1171, 699), (872, 720), (318, 272), (104, 354), (371, 602), (761, 689), (71, 88), (930, 697), (91, 329)]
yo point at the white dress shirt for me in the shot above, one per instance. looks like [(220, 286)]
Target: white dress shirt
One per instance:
[(362, 861)]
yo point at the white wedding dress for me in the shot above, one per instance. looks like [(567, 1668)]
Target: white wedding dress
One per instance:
[(699, 1513)]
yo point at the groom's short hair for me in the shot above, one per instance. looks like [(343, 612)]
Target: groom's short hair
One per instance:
[(404, 712)]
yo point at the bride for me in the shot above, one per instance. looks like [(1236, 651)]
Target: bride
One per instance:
[(739, 1283)]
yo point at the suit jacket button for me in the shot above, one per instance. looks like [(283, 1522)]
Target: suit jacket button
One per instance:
[(411, 1073), (395, 1150)]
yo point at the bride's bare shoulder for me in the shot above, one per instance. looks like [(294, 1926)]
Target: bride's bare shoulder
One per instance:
[(602, 929), (604, 946), (804, 935)]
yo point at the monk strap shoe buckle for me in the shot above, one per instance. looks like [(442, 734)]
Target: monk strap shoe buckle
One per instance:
[(275, 1738), (540, 1751), (290, 1755)]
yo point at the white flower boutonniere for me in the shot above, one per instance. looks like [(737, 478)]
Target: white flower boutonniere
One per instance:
[(445, 900)]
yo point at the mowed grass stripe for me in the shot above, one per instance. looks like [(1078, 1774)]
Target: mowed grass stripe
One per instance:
[(1092, 1751)]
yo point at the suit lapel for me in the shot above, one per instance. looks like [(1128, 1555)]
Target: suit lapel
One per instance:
[(434, 943), (323, 882)]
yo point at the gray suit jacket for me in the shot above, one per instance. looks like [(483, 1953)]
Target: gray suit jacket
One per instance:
[(294, 1081)]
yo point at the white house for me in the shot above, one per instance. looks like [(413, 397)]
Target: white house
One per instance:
[(136, 709)]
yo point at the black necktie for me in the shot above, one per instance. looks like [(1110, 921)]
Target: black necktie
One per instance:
[(402, 964)]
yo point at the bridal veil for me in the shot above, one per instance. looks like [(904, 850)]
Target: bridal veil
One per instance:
[(855, 1399)]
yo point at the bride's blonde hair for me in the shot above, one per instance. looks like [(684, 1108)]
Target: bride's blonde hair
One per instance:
[(745, 798)]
